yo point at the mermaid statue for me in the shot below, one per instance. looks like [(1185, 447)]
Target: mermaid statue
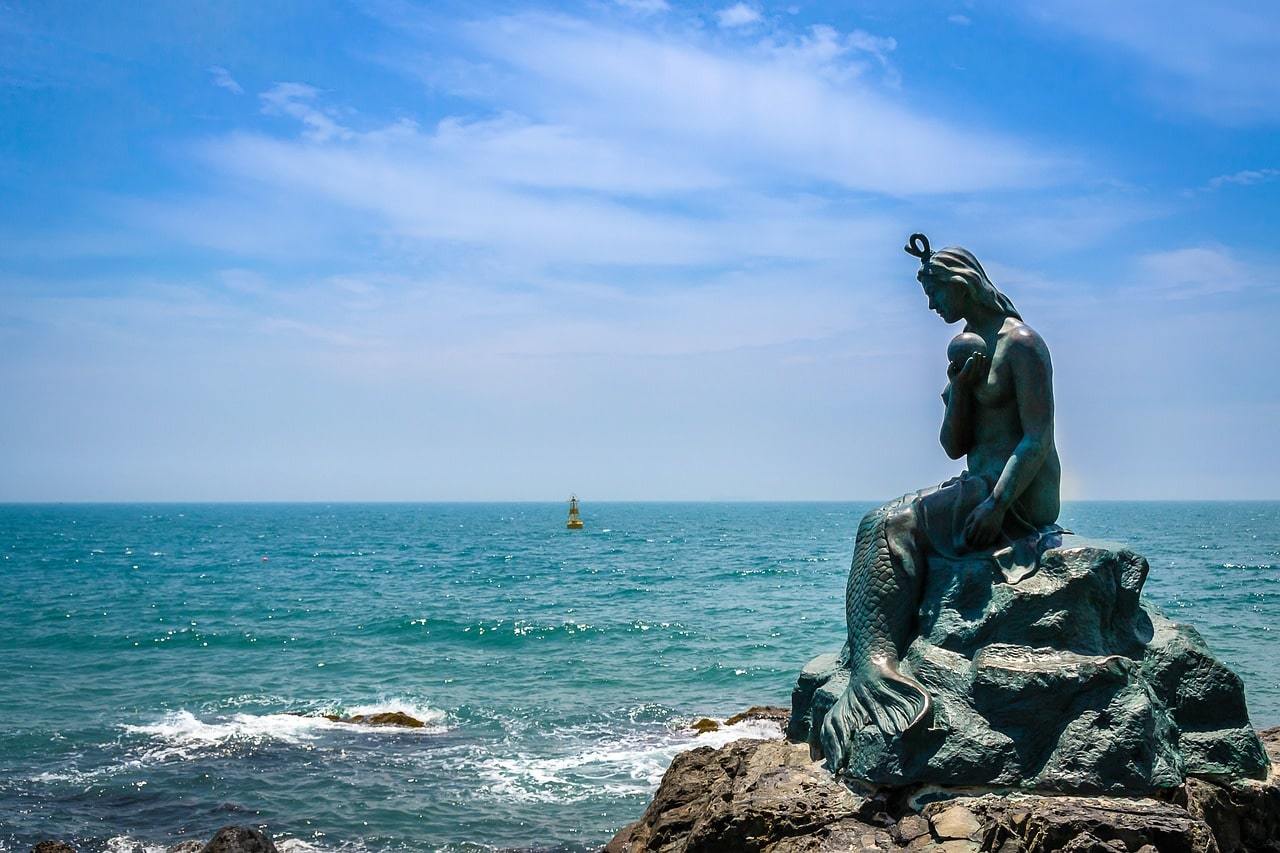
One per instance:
[(999, 415)]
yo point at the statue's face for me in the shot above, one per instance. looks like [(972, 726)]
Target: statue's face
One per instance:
[(946, 298)]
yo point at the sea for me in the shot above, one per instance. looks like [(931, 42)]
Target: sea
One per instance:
[(165, 669)]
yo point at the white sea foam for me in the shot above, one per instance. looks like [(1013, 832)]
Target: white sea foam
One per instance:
[(433, 718), (183, 730), (75, 775), (181, 734), (296, 845), (745, 730), (300, 845), (125, 844), (627, 766)]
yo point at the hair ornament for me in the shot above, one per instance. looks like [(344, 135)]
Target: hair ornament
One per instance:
[(918, 246)]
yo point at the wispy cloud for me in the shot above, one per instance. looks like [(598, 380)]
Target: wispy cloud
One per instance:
[(1198, 271), (613, 146), (223, 80), (600, 217), (1245, 178), (297, 101), (749, 108), (534, 192), (834, 55), (645, 7), (738, 15)]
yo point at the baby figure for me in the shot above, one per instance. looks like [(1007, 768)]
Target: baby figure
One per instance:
[(960, 349)]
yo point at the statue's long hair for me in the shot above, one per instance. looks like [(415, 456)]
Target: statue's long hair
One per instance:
[(955, 265)]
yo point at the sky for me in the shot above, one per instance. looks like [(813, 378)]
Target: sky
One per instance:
[(632, 249)]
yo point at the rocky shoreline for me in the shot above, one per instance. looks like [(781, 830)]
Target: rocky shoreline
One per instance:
[(229, 839), (770, 796)]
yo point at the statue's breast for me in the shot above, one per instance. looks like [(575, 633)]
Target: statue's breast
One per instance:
[(996, 389)]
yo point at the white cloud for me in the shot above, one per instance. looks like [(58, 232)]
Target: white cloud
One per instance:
[(749, 109), (1194, 272), (645, 7), (296, 100), (836, 56), (515, 190), (1245, 178), (959, 20), (615, 147), (222, 78), (738, 15)]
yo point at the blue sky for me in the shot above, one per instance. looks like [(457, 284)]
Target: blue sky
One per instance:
[(630, 248)]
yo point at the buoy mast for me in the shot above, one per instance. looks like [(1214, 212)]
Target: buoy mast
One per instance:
[(575, 521)]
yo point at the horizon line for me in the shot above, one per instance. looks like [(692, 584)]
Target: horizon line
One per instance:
[(539, 501)]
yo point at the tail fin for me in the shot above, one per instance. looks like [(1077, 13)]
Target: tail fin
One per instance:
[(892, 702)]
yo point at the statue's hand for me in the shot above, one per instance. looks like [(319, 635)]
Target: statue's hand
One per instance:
[(984, 524), (968, 376)]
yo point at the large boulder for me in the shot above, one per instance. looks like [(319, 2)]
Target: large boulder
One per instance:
[(1065, 681), (771, 797), (751, 795)]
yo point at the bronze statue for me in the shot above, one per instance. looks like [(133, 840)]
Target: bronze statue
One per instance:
[(999, 415)]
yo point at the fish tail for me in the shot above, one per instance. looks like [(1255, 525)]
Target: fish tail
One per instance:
[(881, 697), (879, 601)]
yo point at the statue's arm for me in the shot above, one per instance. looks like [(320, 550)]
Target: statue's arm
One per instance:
[(956, 435), (1033, 389)]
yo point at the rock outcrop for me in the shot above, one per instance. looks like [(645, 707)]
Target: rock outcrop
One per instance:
[(772, 797), (756, 712), (1065, 681), (385, 718), (240, 839), (382, 718), (52, 846)]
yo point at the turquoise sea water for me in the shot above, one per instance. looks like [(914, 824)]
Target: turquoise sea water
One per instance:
[(154, 658)]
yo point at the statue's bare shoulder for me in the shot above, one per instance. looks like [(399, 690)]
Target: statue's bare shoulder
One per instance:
[(1025, 349)]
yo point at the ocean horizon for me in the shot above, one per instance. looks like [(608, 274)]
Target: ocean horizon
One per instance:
[(167, 665)]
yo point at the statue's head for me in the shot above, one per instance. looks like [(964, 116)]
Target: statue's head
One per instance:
[(955, 282)]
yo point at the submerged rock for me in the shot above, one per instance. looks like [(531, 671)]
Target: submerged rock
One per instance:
[(191, 845), (1065, 681), (384, 718), (240, 839), (52, 846), (761, 712), (766, 713), (772, 797)]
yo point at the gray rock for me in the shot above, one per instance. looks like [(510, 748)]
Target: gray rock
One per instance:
[(1095, 824), (239, 839), (191, 845), (1065, 681), (771, 797), (52, 846), (762, 712), (912, 827), (955, 822), (766, 796), (1244, 815)]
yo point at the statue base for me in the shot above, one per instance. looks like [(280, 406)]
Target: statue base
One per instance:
[(1065, 681)]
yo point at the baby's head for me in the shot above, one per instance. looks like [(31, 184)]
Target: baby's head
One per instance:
[(962, 346)]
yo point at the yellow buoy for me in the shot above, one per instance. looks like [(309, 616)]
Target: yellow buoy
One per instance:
[(575, 522)]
